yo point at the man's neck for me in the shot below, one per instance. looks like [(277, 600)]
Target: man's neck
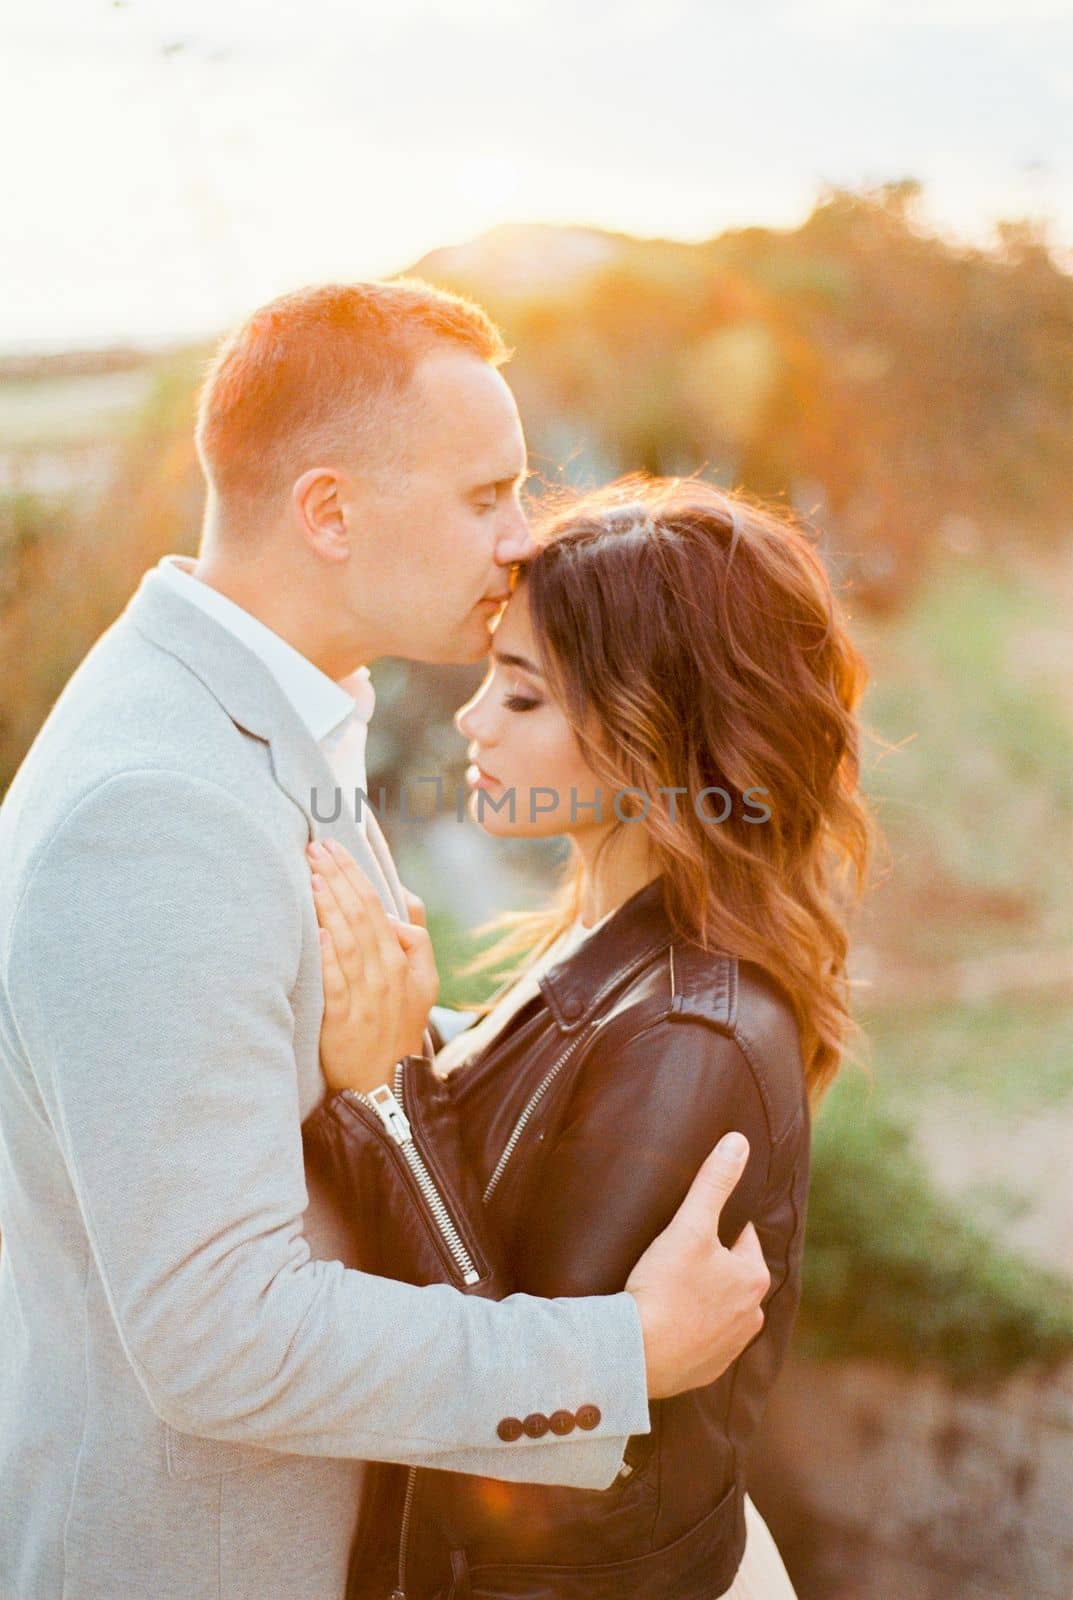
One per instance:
[(281, 603)]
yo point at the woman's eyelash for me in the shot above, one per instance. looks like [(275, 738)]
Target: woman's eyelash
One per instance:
[(519, 702)]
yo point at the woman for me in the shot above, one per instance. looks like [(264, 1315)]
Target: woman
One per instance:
[(672, 687)]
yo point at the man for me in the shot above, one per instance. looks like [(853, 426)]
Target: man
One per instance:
[(191, 1375)]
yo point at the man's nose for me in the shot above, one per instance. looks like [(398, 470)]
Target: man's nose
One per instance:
[(516, 543)]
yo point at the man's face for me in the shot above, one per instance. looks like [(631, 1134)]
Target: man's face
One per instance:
[(434, 538)]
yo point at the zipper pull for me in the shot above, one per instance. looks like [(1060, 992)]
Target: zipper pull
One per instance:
[(391, 1115)]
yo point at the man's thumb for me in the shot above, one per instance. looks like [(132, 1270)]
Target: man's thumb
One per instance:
[(714, 1183)]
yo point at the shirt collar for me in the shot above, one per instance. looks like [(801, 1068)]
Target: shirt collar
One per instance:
[(322, 703)]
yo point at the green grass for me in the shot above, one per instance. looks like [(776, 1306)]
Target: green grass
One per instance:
[(972, 684), (1013, 1055), (454, 949), (894, 1272)]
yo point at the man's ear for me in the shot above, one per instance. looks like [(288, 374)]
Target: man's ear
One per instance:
[(318, 501)]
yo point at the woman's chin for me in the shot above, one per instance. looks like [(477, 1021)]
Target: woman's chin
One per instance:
[(495, 825), (480, 808), (490, 807)]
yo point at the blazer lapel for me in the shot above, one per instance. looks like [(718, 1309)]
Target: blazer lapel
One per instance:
[(254, 701), (378, 847)]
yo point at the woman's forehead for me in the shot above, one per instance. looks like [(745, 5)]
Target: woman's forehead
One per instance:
[(514, 635)]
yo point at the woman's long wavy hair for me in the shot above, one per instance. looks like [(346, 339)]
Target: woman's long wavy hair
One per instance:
[(693, 641)]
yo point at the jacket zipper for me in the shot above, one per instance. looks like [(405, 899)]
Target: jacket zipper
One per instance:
[(394, 1119), (399, 1593), (387, 1104)]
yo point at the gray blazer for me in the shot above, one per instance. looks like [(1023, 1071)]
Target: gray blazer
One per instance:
[(189, 1374)]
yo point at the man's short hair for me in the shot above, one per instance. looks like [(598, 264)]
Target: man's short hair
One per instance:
[(308, 380)]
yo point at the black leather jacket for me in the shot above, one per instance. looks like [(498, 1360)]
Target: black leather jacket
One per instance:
[(547, 1165)]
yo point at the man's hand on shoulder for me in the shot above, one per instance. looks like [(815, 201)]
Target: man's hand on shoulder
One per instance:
[(699, 1302)]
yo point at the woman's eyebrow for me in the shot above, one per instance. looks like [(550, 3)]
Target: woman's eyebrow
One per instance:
[(521, 662)]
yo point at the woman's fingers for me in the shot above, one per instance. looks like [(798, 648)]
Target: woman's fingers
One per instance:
[(351, 883), (379, 973), (420, 958), (346, 951), (355, 946), (340, 858), (336, 987), (367, 947), (380, 955), (342, 1048), (352, 893), (422, 982), (415, 908), (332, 915)]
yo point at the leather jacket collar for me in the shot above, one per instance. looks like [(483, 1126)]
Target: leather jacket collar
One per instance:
[(577, 988), (703, 984)]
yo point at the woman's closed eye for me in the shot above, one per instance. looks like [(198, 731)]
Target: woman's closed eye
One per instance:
[(520, 702)]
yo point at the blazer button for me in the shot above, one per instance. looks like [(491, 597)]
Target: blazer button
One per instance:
[(588, 1417), (510, 1429), (536, 1425), (561, 1422)]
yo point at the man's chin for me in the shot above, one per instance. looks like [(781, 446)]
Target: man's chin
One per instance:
[(469, 644), (478, 652)]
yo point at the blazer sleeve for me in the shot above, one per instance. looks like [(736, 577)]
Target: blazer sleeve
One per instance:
[(645, 1112), (152, 959)]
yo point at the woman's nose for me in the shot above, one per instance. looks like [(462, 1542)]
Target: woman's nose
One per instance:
[(465, 718), (474, 722)]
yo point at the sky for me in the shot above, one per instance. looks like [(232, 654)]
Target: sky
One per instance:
[(168, 164)]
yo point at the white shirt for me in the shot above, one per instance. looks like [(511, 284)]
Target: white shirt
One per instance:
[(337, 714), (468, 1042)]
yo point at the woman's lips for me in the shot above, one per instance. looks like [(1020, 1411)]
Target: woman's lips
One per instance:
[(477, 778)]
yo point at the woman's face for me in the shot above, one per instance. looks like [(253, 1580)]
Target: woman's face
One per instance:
[(528, 776)]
